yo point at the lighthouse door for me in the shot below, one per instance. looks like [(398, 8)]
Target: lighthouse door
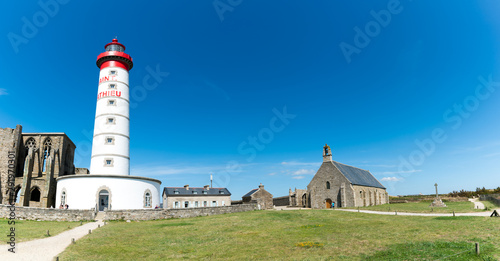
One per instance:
[(103, 200)]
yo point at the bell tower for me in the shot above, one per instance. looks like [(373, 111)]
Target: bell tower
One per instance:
[(327, 153)]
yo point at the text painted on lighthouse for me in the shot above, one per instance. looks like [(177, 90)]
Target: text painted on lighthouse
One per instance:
[(109, 93), (107, 78)]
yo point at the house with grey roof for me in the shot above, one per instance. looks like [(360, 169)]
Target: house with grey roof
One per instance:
[(339, 185), (189, 197)]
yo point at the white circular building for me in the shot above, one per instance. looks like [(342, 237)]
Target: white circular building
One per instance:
[(109, 185)]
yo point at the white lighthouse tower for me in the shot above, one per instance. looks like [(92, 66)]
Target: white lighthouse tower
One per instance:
[(111, 142), (109, 185)]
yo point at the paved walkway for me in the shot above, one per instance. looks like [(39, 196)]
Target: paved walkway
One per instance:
[(47, 248)]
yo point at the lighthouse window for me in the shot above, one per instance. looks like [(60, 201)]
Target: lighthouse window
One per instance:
[(110, 121), (108, 163), (112, 86), (110, 140), (112, 72), (111, 102)]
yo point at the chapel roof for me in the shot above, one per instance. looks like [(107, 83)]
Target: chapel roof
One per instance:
[(358, 176)]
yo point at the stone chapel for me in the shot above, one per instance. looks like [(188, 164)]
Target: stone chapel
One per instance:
[(339, 185)]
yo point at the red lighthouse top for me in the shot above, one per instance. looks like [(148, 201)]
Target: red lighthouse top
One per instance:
[(114, 56)]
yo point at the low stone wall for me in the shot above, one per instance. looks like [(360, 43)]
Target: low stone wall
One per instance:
[(281, 201), (51, 214), (151, 214), (494, 198), (46, 214)]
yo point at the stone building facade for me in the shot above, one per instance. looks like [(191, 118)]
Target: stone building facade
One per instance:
[(186, 197), (262, 197), (339, 185), (40, 158)]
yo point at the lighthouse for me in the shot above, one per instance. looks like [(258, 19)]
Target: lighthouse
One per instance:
[(109, 186), (111, 141)]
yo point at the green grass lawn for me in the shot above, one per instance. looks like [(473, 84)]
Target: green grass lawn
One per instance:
[(293, 235), (28, 229), (423, 207)]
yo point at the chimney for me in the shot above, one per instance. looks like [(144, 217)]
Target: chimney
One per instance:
[(206, 187), (186, 187), (261, 186)]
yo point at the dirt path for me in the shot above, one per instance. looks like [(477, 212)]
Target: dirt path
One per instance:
[(47, 248)]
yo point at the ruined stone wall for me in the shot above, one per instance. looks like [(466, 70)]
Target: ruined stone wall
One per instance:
[(298, 198), (9, 142), (151, 214), (62, 149), (47, 214), (82, 171)]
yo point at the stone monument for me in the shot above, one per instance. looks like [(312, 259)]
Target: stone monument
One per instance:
[(437, 201)]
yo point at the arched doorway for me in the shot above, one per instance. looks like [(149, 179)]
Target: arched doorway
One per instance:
[(328, 203), (103, 200), (304, 200)]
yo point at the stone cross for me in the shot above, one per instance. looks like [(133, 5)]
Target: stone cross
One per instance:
[(436, 185)]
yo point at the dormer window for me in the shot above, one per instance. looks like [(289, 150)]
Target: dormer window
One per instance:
[(205, 192), (221, 192), (195, 192), (176, 192)]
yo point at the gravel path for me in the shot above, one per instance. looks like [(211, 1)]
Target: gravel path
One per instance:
[(47, 248), (477, 204), (476, 214)]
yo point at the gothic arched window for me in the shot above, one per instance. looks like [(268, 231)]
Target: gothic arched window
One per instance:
[(35, 194), (46, 151), (30, 143), (328, 185)]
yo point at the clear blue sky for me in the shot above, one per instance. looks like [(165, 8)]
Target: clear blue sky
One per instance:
[(399, 96)]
